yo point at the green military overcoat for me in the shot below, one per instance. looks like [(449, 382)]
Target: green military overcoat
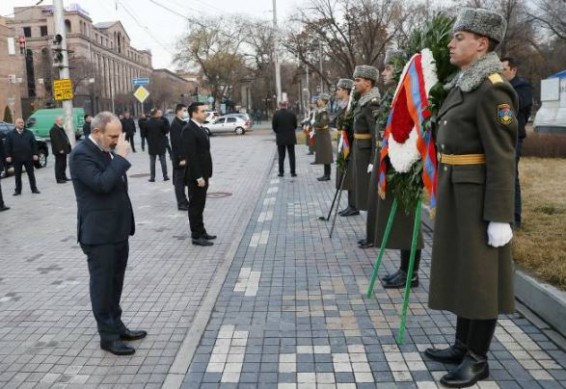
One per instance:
[(348, 180), (469, 277), (323, 141)]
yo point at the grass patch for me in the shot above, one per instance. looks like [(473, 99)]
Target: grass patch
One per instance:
[(540, 245)]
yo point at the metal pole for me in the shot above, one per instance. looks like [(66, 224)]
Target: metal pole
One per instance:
[(59, 19), (276, 53), (320, 54)]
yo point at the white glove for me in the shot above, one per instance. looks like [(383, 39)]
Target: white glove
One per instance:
[(311, 134), (370, 167), (499, 234)]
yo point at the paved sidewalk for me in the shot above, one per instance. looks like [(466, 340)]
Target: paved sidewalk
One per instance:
[(292, 312)]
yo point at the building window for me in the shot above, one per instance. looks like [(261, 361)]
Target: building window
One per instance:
[(27, 32), (68, 26), (43, 30)]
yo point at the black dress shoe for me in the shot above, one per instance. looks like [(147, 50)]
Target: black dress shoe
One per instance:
[(452, 354), (166, 179), (390, 276), (35, 191), (280, 175), (208, 237), (310, 153), (67, 179), (473, 368), (202, 242), (324, 178), (313, 163), (293, 174), (151, 180), (343, 211), (365, 245), (183, 207), (61, 181), (351, 212), (362, 241), (16, 193), (4, 208), (399, 281), (117, 347), (133, 334)]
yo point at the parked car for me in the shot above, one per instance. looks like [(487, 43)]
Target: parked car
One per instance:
[(234, 124), (244, 116), (41, 121), (43, 150)]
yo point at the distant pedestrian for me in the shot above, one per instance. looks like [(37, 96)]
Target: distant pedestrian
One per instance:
[(142, 124), (21, 149), (525, 92), (156, 139), (3, 206), (129, 127), (60, 147), (105, 222), (323, 141), (284, 125), (179, 163), (86, 125)]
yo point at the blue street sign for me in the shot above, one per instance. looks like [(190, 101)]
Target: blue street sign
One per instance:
[(140, 81)]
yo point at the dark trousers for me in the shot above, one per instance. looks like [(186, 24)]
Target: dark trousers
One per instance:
[(327, 170), (475, 335), (179, 184), (130, 138), (29, 170), (142, 142), (197, 201), (1, 197), (107, 267), (291, 150), (518, 203), (60, 167), (405, 258), (351, 199), (163, 163)]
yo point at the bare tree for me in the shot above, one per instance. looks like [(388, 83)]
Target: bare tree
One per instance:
[(551, 15)]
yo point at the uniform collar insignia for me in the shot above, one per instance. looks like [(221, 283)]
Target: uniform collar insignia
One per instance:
[(372, 93), (472, 78)]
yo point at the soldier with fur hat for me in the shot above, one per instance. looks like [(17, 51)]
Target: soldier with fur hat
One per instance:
[(323, 141), (472, 268)]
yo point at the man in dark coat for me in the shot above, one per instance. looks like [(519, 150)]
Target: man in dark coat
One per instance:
[(156, 136), (284, 124), (196, 151), (323, 144), (472, 267), (3, 206), (129, 127), (142, 124), (525, 92), (61, 147), (105, 222), (86, 125), (179, 165), (21, 150)]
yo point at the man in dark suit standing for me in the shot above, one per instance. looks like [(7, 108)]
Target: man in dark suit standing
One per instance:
[(86, 125), (196, 151), (21, 149), (284, 124), (157, 130), (3, 206), (105, 222), (60, 146), (142, 124), (179, 165), (129, 127)]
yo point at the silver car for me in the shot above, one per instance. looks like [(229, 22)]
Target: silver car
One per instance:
[(228, 124)]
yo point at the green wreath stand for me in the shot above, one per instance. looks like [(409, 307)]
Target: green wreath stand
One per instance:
[(407, 293)]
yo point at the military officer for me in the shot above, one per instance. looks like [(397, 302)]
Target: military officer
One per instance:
[(472, 269), (323, 143)]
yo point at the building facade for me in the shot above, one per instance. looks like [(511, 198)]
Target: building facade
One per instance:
[(11, 73)]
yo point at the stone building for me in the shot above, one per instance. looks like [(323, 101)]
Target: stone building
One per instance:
[(11, 72)]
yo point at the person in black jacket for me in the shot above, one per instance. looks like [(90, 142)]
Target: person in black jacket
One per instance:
[(142, 124), (156, 139), (196, 151), (105, 222), (3, 206), (21, 149), (129, 127), (525, 92), (60, 146), (86, 125), (284, 124), (179, 165)]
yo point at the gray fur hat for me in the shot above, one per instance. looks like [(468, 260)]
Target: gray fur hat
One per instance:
[(482, 22), (366, 71), (345, 83), (391, 55), (324, 96)]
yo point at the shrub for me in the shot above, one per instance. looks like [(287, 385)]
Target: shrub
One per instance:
[(545, 145)]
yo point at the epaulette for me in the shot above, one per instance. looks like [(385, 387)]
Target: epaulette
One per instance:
[(375, 100), (495, 78)]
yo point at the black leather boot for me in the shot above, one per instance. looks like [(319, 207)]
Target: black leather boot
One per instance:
[(398, 279), (473, 368), (456, 352)]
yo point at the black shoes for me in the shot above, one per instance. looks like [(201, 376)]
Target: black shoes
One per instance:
[(202, 242), (452, 354), (35, 191), (166, 179), (4, 208), (293, 175), (364, 244), (133, 334), (390, 276), (280, 175), (473, 368), (61, 181), (16, 193), (313, 163), (310, 153), (349, 212), (208, 237), (183, 207), (117, 347), (398, 280), (151, 180), (324, 178)]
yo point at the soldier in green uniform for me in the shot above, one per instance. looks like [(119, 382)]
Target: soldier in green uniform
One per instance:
[(472, 269), (323, 141), (343, 90)]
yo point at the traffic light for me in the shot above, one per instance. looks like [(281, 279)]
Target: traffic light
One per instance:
[(57, 51)]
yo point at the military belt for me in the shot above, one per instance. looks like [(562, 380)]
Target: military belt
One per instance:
[(322, 128), (462, 159), (362, 136)]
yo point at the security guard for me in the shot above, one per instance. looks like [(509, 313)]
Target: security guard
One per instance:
[(323, 141), (472, 268)]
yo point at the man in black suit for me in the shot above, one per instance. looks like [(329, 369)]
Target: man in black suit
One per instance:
[(129, 127), (60, 146), (86, 125), (284, 124), (3, 206), (105, 222), (196, 151), (142, 124), (179, 165), (21, 149), (157, 130)]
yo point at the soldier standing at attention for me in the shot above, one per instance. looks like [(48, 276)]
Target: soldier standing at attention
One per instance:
[(472, 270), (365, 116), (323, 144)]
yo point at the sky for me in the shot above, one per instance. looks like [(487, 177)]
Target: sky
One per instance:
[(150, 26)]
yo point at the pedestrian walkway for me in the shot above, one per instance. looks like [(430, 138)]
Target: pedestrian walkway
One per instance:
[(293, 314)]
